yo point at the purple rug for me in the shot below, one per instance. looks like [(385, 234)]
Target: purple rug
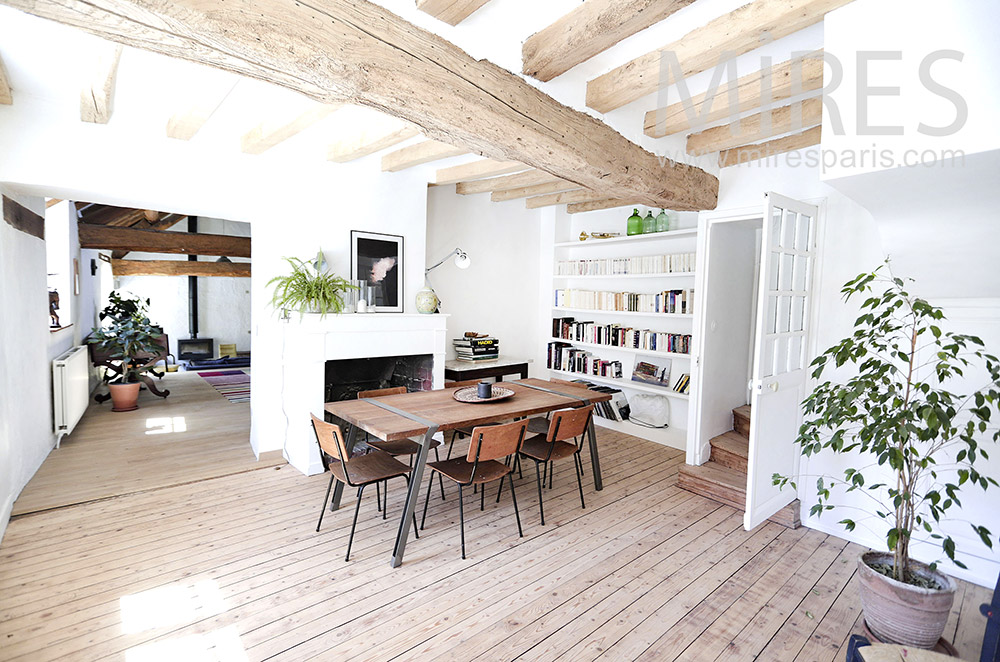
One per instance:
[(234, 385)]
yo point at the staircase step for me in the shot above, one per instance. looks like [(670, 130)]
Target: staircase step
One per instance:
[(731, 450), (741, 420), (725, 485)]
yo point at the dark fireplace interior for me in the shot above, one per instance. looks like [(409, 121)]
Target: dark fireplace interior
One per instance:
[(195, 348), (345, 378)]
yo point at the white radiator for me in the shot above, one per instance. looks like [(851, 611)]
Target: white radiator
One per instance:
[(70, 389)]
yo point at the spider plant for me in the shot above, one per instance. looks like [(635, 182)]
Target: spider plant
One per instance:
[(307, 289)]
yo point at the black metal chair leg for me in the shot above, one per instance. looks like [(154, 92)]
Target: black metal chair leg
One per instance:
[(385, 493), (461, 519), (378, 498), (577, 462), (325, 500), (357, 507), (482, 498), (538, 479), (500, 489), (552, 472), (517, 465), (430, 484), (513, 498), (440, 477)]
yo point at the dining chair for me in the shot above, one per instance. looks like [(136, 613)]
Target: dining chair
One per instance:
[(358, 471), (460, 433), (566, 425), (490, 443), (399, 447)]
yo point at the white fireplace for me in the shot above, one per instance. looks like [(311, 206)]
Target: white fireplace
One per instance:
[(308, 344)]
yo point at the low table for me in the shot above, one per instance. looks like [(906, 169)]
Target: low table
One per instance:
[(463, 370)]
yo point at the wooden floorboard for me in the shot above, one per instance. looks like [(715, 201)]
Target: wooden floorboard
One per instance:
[(233, 564)]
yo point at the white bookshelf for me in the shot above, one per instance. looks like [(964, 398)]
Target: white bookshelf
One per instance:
[(674, 241)]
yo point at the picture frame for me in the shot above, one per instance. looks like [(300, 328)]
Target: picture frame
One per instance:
[(377, 259)]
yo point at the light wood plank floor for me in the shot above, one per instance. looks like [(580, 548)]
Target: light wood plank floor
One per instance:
[(193, 434), (232, 567)]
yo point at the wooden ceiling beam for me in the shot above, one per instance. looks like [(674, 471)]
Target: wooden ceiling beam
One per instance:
[(747, 153), (792, 77), (268, 134), (591, 28), (530, 191), (369, 142), (121, 267), (186, 123), (521, 179), (98, 95), (733, 34), (150, 241), (357, 51), (451, 12), (753, 128), (52, 202), (475, 170), (597, 205), (6, 96), (566, 197), (418, 154)]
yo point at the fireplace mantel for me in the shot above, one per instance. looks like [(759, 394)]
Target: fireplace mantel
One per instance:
[(309, 343)]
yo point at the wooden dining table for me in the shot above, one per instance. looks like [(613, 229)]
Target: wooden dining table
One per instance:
[(422, 414)]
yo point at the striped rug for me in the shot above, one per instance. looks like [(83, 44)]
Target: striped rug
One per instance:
[(233, 384)]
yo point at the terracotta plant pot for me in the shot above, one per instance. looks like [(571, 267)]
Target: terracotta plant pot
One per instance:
[(902, 613), (124, 397)]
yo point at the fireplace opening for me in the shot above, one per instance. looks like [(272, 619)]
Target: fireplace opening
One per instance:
[(345, 378)]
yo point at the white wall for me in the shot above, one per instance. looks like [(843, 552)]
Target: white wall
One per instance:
[(496, 294)]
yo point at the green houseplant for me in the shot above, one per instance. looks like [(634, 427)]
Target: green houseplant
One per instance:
[(914, 444), (128, 337), (308, 289)]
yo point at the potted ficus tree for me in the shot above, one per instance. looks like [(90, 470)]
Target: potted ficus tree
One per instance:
[(913, 445), (309, 288), (128, 337)]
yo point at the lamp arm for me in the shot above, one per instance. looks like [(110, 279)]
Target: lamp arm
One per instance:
[(443, 260)]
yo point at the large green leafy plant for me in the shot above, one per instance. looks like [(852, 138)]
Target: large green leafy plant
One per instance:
[(308, 289), (897, 412), (127, 334)]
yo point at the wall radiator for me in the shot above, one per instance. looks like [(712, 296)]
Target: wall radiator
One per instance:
[(70, 389)]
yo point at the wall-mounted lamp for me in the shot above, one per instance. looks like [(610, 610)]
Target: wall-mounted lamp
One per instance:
[(462, 260), (427, 298)]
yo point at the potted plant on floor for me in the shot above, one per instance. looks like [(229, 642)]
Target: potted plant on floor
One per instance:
[(915, 444), (309, 289), (126, 336)]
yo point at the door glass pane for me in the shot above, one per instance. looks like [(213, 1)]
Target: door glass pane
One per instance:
[(767, 357), (780, 355), (771, 319), (775, 241), (800, 273), (795, 353), (796, 315), (803, 235), (785, 278), (784, 304), (788, 227), (773, 260)]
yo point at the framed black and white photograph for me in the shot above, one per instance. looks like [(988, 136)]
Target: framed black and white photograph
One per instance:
[(377, 259)]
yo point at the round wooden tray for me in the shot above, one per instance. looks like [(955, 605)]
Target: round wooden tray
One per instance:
[(469, 394)]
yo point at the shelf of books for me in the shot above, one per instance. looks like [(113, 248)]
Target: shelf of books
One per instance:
[(634, 239)]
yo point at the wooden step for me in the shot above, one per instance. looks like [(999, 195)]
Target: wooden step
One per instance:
[(731, 450), (725, 485), (741, 420)]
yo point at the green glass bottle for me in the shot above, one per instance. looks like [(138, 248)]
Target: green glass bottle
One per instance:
[(634, 223), (649, 223), (662, 221)]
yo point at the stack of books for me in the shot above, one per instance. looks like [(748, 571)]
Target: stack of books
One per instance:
[(476, 349), (616, 409)]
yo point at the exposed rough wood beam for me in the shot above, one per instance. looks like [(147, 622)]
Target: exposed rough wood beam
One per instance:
[(567, 197), (149, 241), (98, 95), (521, 179), (6, 97), (591, 28), (747, 153), (151, 215), (179, 268), (755, 128), (475, 170), (167, 222), (451, 12), (802, 74), (529, 191), (610, 203), (185, 124), (21, 218), (52, 202), (740, 31), (369, 142), (422, 152), (354, 50), (266, 135)]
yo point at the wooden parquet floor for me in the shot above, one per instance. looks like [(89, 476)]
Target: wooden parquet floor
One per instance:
[(231, 568)]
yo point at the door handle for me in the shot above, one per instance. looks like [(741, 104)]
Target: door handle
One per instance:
[(773, 386)]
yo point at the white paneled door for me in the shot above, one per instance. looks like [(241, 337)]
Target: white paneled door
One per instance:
[(780, 352)]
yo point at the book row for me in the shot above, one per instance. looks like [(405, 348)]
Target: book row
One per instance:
[(616, 409), (667, 301), (565, 357), (622, 266), (617, 335)]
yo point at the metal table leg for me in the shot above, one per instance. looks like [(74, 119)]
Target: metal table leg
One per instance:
[(338, 490), (412, 494), (595, 461)]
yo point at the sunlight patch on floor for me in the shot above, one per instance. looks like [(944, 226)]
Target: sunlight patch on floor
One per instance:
[(170, 605), (166, 425)]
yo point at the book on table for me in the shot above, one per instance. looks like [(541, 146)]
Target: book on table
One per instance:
[(475, 342)]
